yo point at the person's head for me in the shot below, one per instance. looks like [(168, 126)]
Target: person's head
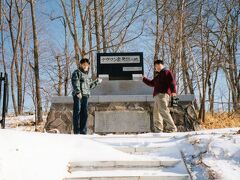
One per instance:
[(85, 64), (158, 65)]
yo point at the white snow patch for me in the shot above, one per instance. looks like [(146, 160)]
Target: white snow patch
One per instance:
[(27, 155)]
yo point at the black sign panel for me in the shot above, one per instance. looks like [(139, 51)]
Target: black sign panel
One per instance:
[(120, 66)]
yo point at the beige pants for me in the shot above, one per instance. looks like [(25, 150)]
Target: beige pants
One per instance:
[(161, 112)]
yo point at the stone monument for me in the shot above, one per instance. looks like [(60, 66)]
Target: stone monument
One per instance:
[(121, 104)]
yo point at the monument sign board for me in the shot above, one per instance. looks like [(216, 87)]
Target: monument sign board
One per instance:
[(120, 66)]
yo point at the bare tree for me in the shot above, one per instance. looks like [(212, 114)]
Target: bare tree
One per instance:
[(14, 43), (36, 64), (73, 30), (230, 28), (90, 41), (96, 18), (157, 37), (67, 63), (2, 37), (102, 15)]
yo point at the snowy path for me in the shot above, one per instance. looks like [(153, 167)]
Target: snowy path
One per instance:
[(161, 160), (209, 154)]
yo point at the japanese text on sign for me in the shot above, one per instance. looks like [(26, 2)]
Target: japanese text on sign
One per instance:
[(119, 59)]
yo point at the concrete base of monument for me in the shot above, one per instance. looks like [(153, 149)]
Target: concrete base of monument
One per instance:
[(110, 114), (183, 99), (106, 114)]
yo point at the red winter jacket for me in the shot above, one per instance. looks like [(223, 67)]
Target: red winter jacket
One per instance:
[(163, 83)]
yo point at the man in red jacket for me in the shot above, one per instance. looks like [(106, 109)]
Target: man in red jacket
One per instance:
[(164, 87)]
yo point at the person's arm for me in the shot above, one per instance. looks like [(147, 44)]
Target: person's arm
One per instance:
[(94, 83), (148, 82), (76, 82), (172, 83)]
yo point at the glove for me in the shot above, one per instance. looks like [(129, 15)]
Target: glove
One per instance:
[(79, 95), (99, 80)]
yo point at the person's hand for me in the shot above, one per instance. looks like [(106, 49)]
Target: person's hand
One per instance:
[(174, 94), (99, 80), (79, 95)]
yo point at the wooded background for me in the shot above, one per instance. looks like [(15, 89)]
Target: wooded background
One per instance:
[(42, 41)]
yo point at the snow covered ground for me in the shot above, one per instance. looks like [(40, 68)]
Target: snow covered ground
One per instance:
[(212, 154), (209, 154)]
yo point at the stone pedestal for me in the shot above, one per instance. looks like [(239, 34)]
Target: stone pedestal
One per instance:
[(106, 114), (112, 114)]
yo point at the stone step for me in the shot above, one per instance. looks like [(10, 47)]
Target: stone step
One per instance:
[(156, 152), (93, 165), (147, 136), (143, 174), (156, 158), (132, 140), (138, 150)]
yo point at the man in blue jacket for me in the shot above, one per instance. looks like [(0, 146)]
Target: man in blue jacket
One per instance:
[(82, 84)]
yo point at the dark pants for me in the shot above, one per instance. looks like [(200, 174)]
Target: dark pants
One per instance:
[(80, 115)]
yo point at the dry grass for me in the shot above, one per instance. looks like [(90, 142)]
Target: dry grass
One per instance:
[(221, 120)]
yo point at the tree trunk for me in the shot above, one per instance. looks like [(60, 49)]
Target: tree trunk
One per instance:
[(189, 80), (182, 55), (184, 69), (157, 28), (103, 26), (20, 79), (72, 32), (36, 65), (212, 95), (15, 43), (202, 106), (76, 46), (2, 38), (60, 76), (96, 17), (19, 11), (12, 89), (90, 41), (67, 65), (83, 21)]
